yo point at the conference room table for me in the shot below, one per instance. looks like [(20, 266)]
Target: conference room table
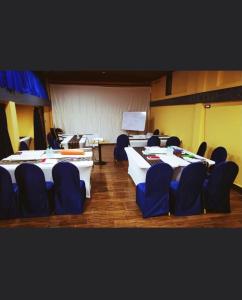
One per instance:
[(71, 140), (141, 140), (138, 165), (46, 162)]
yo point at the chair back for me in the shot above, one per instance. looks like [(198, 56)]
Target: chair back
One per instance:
[(219, 155), (188, 194), (23, 146), (158, 179), (202, 149), (69, 197), (119, 152), (153, 141), (157, 183), (33, 195), (173, 141), (218, 186), (156, 132), (52, 141), (122, 141), (8, 199)]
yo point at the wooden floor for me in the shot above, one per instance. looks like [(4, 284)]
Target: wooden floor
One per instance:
[(113, 205)]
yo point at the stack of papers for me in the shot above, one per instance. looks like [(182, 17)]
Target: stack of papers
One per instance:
[(154, 150)]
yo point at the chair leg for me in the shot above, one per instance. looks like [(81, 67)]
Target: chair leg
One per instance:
[(204, 211), (169, 214)]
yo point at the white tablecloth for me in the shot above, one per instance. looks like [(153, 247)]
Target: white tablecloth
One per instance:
[(138, 166), (84, 167)]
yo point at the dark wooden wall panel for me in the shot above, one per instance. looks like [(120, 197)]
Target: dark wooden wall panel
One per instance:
[(222, 95)]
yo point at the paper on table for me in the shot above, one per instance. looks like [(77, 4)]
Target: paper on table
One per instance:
[(154, 150), (51, 161), (189, 159), (173, 160)]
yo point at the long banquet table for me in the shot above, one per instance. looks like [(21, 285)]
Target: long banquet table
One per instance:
[(138, 166), (46, 162)]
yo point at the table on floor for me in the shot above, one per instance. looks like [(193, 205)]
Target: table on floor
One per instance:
[(84, 163), (141, 140), (65, 143), (138, 166)]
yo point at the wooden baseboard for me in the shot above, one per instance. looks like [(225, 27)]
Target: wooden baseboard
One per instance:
[(237, 188)]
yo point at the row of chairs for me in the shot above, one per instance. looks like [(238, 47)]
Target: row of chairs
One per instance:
[(160, 195), (32, 196), (123, 141), (52, 139)]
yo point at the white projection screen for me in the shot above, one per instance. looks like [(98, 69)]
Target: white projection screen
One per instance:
[(134, 121)]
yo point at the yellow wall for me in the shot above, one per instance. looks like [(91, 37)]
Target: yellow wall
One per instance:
[(20, 122), (221, 125), (48, 118), (25, 114), (175, 120), (12, 122)]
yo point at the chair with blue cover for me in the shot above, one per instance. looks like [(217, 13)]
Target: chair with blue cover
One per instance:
[(186, 193), (216, 189), (70, 191), (173, 141), (53, 143), (119, 152), (202, 149), (156, 132), (153, 141), (152, 196), (23, 146), (8, 196), (219, 155), (34, 192)]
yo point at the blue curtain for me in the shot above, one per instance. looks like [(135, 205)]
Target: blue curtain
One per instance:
[(24, 82), (6, 148)]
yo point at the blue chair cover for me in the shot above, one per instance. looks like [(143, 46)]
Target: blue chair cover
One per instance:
[(202, 149), (33, 190), (186, 194), (153, 141), (23, 146), (70, 191), (219, 155), (173, 141), (217, 187), (152, 196), (53, 143), (119, 152), (8, 196)]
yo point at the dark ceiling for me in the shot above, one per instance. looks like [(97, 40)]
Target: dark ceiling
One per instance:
[(130, 78)]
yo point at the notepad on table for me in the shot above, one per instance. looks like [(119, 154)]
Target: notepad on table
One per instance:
[(153, 157)]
